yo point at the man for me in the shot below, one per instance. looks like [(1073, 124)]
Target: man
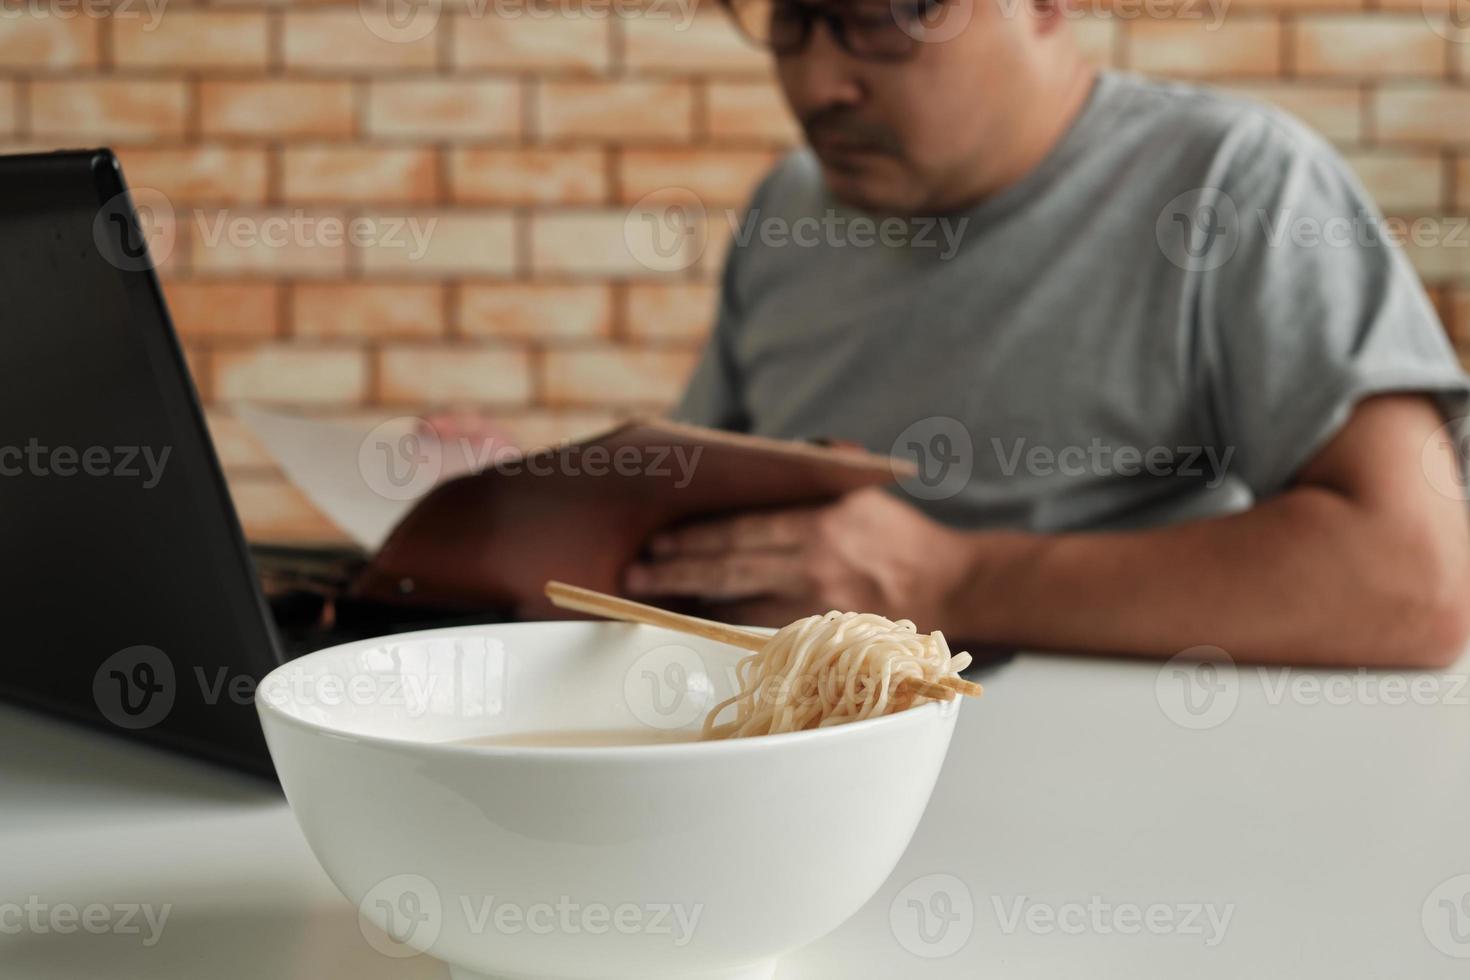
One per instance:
[(1136, 289)]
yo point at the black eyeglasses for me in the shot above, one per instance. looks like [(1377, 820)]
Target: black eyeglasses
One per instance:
[(873, 30)]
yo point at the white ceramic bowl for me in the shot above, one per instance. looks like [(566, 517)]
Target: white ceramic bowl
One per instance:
[(645, 861)]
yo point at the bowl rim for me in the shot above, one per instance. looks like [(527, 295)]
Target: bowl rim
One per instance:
[(909, 717)]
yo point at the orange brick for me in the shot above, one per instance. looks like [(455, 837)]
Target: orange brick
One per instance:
[(193, 39), (1335, 111), (572, 41), (1293, 6), (526, 311), (671, 311), (282, 373), (750, 110), (347, 174), (1422, 114), (1402, 181), (333, 40), (205, 310), (277, 108), (1097, 38), (434, 243), (625, 110), (611, 243), (8, 98), (364, 311), (1462, 183), (715, 177), (1241, 48), (47, 42), (1365, 45), (1439, 248), (441, 375), (524, 175), (1460, 314), (235, 444), (277, 241), (207, 174), (535, 429), (611, 375), (661, 40), (458, 109), (96, 109), (273, 510)]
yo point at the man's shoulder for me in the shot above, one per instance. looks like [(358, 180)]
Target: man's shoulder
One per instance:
[(1241, 137)]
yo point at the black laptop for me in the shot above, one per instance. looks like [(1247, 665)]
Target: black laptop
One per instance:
[(131, 599)]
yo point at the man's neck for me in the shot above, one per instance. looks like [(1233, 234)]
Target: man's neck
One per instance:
[(1045, 122)]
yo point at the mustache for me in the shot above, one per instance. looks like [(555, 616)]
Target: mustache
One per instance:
[(845, 126)]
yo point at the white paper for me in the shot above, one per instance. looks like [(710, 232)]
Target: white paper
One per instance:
[(362, 477)]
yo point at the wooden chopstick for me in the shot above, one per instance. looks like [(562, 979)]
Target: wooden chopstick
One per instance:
[(626, 610)]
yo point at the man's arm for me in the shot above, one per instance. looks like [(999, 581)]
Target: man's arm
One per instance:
[(1360, 562)]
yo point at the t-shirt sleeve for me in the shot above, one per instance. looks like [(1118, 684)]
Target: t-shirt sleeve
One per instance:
[(714, 396), (1315, 309)]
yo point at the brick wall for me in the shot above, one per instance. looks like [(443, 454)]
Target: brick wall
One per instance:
[(524, 139)]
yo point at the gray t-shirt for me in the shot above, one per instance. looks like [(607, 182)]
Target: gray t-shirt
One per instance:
[(1167, 318)]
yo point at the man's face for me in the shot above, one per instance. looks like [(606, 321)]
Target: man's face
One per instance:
[(910, 136)]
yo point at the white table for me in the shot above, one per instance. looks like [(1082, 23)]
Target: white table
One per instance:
[(1331, 828)]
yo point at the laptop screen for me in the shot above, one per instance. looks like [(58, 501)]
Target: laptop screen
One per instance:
[(132, 601)]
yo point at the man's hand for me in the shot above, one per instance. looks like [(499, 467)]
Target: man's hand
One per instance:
[(868, 552)]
